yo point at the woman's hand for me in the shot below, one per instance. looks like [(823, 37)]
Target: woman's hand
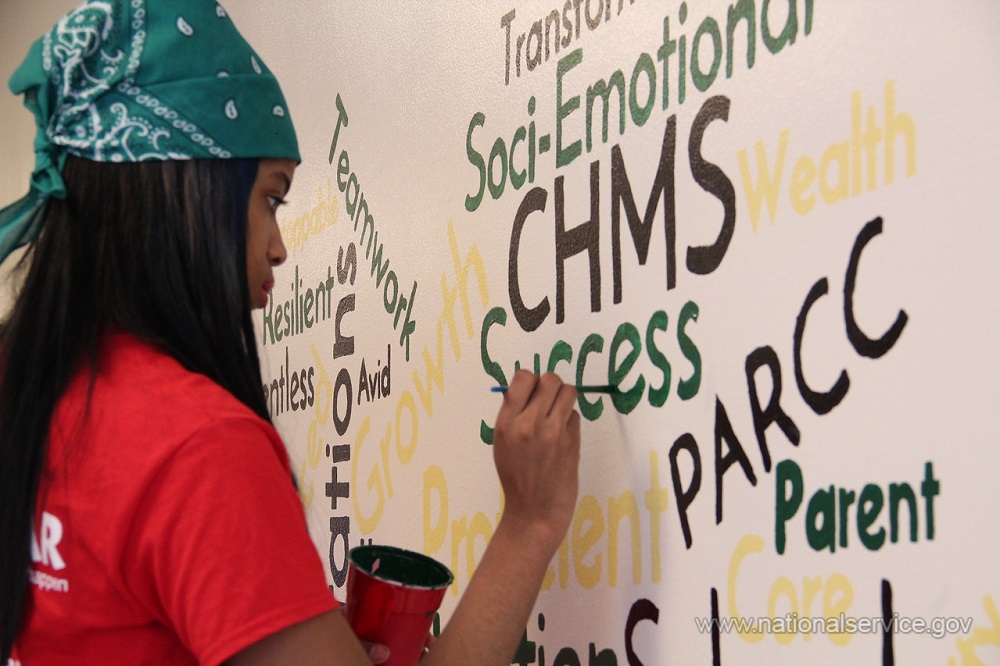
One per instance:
[(536, 450)]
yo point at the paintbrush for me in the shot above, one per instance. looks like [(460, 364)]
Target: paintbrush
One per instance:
[(605, 388)]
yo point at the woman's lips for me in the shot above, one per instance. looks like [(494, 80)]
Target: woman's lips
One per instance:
[(266, 288)]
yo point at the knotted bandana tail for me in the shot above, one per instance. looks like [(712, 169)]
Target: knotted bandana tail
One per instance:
[(134, 80)]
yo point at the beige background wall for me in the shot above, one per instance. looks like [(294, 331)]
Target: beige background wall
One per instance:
[(883, 110), (21, 22)]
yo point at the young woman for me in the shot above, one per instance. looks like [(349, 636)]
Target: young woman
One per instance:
[(147, 512)]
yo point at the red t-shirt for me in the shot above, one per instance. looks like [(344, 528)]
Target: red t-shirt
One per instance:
[(168, 530)]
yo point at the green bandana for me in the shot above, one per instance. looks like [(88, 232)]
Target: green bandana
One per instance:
[(134, 80)]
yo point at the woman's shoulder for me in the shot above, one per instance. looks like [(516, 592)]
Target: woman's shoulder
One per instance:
[(142, 399), (147, 378)]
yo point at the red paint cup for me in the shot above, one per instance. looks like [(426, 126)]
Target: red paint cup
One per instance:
[(392, 596)]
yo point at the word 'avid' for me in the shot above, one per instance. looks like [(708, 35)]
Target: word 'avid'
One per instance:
[(374, 383), (395, 303), (636, 95)]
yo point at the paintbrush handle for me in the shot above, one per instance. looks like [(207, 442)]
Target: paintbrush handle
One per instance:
[(579, 389)]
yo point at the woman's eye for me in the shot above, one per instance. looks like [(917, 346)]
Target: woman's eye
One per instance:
[(276, 202)]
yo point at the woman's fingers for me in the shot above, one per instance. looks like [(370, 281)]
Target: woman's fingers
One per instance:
[(518, 393), (563, 405), (536, 448)]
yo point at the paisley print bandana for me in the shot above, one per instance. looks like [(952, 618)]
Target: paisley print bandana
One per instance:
[(134, 80)]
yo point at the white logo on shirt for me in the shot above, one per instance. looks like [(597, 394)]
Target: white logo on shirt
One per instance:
[(44, 549)]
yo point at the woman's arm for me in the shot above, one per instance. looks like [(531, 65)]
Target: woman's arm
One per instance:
[(536, 448), (325, 640)]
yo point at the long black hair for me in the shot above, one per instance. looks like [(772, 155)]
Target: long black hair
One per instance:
[(157, 249)]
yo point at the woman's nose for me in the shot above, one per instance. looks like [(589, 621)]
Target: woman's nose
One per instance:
[(276, 251)]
